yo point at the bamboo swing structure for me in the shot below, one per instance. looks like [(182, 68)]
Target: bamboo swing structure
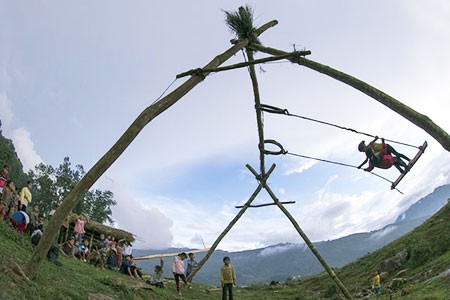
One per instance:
[(249, 41)]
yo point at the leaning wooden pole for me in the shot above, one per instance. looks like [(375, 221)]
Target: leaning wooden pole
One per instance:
[(405, 111), (118, 148), (231, 224), (307, 241)]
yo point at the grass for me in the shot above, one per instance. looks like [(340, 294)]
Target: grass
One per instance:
[(429, 256)]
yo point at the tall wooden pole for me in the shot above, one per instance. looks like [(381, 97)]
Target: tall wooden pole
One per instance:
[(118, 148), (231, 224), (259, 121)]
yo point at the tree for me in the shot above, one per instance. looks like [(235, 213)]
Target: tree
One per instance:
[(54, 184), (119, 147)]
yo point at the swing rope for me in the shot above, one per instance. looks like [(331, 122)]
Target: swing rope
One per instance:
[(276, 110), (341, 164), (283, 151)]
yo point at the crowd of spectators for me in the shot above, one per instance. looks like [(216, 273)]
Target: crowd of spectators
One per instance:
[(17, 208)]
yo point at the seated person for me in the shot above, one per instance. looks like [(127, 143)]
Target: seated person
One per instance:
[(135, 270), (69, 246), (125, 268), (158, 278), (52, 254), (20, 220), (95, 257), (112, 258)]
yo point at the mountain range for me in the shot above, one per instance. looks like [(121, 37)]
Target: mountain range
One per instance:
[(293, 261)]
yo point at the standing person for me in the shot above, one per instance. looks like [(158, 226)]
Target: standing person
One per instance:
[(227, 278), (79, 228), (178, 270), (377, 283), (191, 264), (119, 249), (34, 219), (3, 179), (25, 196), (8, 196)]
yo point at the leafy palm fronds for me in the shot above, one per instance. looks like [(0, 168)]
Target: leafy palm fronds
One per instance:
[(241, 22)]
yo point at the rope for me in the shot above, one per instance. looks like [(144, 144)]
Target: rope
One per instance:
[(340, 164), (167, 88), (276, 110)]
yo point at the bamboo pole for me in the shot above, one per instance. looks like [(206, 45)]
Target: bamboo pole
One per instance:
[(405, 111), (118, 148), (254, 79), (236, 218), (244, 64), (307, 241)]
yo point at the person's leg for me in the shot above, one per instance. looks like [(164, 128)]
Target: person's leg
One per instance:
[(224, 292), (183, 278), (230, 290), (177, 282), (400, 165), (391, 150)]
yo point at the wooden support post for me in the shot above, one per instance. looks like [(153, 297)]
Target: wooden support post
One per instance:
[(266, 204), (244, 64), (308, 241), (254, 79), (231, 224)]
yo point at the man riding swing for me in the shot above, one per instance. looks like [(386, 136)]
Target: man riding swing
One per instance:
[(381, 156)]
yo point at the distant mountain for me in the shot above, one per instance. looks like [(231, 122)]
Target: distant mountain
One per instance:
[(428, 205), (283, 261)]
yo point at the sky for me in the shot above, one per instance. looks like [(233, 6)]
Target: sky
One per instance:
[(74, 75)]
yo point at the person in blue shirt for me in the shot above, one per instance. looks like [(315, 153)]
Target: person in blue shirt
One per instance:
[(191, 264), (125, 267)]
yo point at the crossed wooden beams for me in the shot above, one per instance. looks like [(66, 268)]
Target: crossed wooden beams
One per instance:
[(262, 178)]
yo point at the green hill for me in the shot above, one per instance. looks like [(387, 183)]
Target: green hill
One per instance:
[(425, 272), (8, 156)]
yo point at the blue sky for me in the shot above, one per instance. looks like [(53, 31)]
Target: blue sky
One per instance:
[(73, 76)]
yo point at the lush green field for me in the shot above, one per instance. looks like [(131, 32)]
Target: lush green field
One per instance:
[(429, 256)]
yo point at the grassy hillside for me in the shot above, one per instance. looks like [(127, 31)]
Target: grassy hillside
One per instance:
[(428, 248), (428, 256)]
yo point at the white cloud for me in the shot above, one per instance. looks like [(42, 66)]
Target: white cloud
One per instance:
[(6, 113), (25, 148), (150, 225), (280, 249), (381, 233)]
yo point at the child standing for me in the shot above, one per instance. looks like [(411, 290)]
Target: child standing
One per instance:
[(227, 278), (377, 283), (178, 270), (79, 228), (191, 264)]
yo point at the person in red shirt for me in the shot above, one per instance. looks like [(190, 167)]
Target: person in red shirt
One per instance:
[(3, 179)]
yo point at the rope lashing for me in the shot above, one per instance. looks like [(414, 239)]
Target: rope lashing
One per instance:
[(277, 110)]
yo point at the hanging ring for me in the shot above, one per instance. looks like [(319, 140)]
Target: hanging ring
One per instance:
[(270, 152)]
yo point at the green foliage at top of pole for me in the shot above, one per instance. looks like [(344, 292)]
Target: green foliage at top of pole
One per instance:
[(241, 23)]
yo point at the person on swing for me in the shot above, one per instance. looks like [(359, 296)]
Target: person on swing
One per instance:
[(381, 156)]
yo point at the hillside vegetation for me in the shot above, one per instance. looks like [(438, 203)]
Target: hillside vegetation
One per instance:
[(422, 273)]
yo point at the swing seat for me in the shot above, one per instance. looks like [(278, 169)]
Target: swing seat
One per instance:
[(410, 165)]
